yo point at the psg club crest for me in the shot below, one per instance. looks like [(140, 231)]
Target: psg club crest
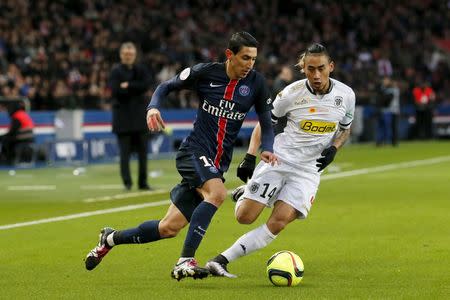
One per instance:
[(338, 101), (244, 90), (254, 188), (213, 170)]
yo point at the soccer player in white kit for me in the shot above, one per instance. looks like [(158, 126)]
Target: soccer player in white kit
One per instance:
[(319, 112)]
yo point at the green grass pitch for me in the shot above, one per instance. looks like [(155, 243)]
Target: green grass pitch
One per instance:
[(379, 232)]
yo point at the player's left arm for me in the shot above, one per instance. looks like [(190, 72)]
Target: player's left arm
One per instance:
[(328, 154), (262, 135), (263, 106), (345, 124), (267, 137), (341, 137)]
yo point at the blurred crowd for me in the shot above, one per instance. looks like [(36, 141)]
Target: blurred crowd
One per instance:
[(59, 53)]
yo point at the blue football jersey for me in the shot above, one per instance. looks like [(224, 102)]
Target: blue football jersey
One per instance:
[(223, 105)]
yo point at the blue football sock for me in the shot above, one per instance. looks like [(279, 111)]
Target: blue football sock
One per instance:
[(201, 217), (144, 233)]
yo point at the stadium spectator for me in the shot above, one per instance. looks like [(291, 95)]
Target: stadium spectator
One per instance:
[(16, 143), (76, 41), (227, 91), (320, 111), (394, 107), (283, 78), (424, 99), (388, 111), (129, 82)]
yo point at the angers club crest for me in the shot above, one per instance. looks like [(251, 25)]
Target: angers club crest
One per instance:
[(254, 188)]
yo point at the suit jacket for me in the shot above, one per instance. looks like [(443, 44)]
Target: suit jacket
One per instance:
[(130, 104)]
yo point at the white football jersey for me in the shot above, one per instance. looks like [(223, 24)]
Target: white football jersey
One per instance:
[(312, 120)]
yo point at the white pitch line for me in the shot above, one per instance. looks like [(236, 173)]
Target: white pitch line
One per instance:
[(86, 214), (102, 187), (403, 165), (31, 187), (122, 196), (164, 202)]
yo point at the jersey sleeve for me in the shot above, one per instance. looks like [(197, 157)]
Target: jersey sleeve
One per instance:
[(347, 120), (263, 101), (186, 79), (280, 105)]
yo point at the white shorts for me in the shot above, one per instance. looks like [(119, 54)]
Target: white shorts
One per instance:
[(283, 182)]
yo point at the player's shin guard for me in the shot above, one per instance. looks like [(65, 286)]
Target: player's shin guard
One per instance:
[(200, 220), (144, 233), (251, 241)]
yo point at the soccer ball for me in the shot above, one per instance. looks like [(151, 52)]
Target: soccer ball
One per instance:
[(285, 268)]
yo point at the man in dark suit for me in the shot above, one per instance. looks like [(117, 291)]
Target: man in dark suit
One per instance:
[(129, 82)]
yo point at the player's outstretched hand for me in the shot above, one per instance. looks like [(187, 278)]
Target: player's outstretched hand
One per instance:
[(269, 157), (328, 155), (154, 120), (246, 167)]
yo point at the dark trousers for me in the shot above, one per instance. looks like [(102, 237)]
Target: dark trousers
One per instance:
[(424, 124), (129, 143), (12, 152), (395, 125), (384, 128)]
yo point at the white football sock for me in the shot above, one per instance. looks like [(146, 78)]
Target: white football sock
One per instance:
[(251, 241)]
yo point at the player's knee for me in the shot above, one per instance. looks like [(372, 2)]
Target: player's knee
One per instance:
[(217, 197), (168, 230), (276, 226), (244, 218)]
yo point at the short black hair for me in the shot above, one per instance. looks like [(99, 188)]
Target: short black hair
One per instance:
[(241, 39), (317, 48)]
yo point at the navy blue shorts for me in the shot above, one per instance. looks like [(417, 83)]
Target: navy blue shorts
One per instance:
[(195, 168)]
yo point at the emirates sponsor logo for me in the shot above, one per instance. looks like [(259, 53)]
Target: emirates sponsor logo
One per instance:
[(225, 110)]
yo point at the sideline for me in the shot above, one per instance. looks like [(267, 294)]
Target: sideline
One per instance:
[(31, 188), (86, 214), (384, 168), (403, 165), (122, 196)]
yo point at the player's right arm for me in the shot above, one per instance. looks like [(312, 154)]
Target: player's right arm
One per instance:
[(154, 119), (186, 79)]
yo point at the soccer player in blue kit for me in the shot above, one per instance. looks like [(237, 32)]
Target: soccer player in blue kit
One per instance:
[(226, 92)]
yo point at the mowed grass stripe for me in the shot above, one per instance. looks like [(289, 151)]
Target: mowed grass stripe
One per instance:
[(383, 168)]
